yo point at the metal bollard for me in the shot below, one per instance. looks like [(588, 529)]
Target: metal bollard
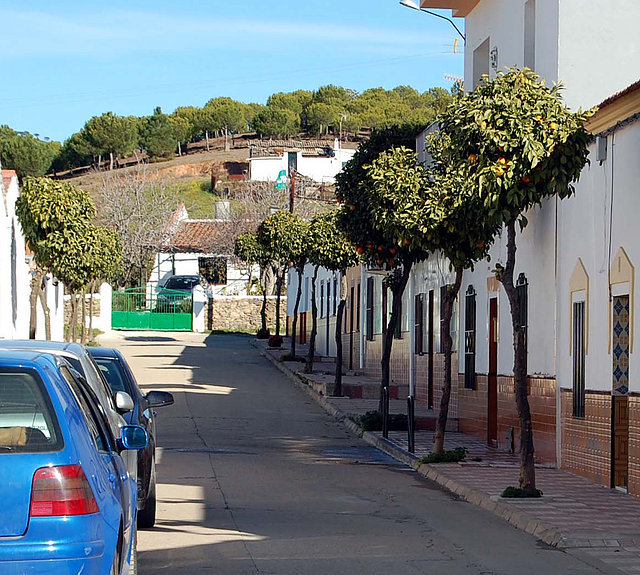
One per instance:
[(385, 412), (411, 424)]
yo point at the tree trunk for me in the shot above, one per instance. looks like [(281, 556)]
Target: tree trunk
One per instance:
[(45, 311), (110, 161), (206, 136), (279, 282), (71, 330), (449, 299), (93, 289), (226, 139), (505, 276), (314, 324), (83, 317), (263, 310), (294, 322), (179, 149), (36, 288), (337, 388), (398, 289)]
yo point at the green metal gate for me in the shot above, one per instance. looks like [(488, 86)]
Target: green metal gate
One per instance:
[(165, 310)]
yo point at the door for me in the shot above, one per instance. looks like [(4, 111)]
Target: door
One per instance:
[(620, 420), (292, 162), (492, 391), (352, 308), (430, 352)]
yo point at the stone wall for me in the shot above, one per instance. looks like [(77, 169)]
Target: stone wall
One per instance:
[(243, 313)]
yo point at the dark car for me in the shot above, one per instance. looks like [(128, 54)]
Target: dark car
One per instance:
[(176, 293), (185, 282), (120, 377)]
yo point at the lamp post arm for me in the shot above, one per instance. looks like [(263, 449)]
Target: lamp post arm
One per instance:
[(447, 19)]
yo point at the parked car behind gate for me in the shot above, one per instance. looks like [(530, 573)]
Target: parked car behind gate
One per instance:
[(69, 503), (120, 377)]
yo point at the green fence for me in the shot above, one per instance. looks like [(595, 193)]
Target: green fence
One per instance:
[(165, 310)]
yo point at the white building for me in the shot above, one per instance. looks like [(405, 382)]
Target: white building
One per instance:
[(575, 261), (14, 269), (320, 164), (201, 247)]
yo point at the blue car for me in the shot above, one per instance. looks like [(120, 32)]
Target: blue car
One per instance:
[(69, 503)]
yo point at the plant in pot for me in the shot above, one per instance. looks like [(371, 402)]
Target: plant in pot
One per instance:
[(263, 334), (275, 341)]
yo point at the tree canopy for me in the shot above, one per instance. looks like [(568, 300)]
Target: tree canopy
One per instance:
[(25, 153)]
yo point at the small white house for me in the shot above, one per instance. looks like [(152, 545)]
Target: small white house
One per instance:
[(201, 247), (318, 163)]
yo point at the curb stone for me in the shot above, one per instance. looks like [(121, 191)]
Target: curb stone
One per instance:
[(521, 520)]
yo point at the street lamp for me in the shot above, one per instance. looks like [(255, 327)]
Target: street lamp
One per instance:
[(415, 6)]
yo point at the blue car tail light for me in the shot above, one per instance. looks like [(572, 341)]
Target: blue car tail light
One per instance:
[(61, 491)]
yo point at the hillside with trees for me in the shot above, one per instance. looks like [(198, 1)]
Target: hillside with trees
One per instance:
[(330, 110)]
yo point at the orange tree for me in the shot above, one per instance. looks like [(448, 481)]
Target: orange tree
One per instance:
[(330, 249), (283, 236), (517, 144), (378, 190), (461, 229), (250, 251)]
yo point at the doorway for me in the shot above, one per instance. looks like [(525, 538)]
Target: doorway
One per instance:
[(620, 400), (430, 351), (351, 324), (492, 376)]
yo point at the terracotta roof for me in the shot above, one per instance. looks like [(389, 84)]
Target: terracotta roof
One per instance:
[(7, 176), (611, 99), (202, 236)]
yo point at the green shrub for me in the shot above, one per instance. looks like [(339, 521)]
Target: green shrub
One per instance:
[(519, 493), (449, 456), (372, 421)]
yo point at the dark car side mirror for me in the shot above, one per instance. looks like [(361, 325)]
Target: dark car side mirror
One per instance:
[(159, 398)]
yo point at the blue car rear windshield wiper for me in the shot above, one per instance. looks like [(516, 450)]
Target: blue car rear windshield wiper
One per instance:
[(7, 448)]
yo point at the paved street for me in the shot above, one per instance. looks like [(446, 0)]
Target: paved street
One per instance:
[(255, 478)]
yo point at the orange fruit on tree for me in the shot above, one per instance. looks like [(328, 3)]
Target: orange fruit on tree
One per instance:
[(473, 158), (502, 161), (391, 262), (407, 241), (380, 248), (526, 180), (553, 126)]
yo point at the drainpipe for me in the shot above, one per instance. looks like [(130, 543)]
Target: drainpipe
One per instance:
[(412, 336), (555, 345), (363, 286)]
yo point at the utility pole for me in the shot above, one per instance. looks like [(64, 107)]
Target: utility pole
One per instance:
[(293, 191)]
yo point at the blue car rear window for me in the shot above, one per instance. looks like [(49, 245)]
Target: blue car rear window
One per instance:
[(27, 420)]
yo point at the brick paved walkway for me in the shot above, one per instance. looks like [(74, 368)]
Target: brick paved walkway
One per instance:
[(600, 522)]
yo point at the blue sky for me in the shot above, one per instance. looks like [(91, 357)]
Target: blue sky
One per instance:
[(62, 62)]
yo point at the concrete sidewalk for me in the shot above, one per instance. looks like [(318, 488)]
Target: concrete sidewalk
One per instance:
[(574, 514)]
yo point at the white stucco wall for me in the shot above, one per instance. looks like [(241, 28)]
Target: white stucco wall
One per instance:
[(535, 257), (591, 231), (502, 21), (321, 169), (590, 48), (168, 264), (324, 277), (598, 49), (14, 270)]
